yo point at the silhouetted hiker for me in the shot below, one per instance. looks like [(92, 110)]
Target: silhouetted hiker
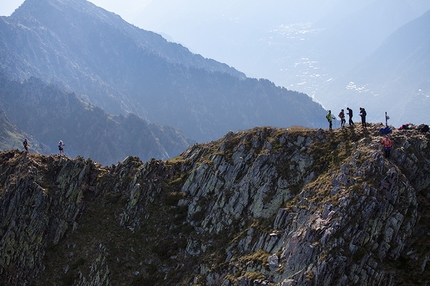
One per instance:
[(350, 116), (330, 118), (363, 114), (342, 118), (387, 145), (60, 147), (26, 145)]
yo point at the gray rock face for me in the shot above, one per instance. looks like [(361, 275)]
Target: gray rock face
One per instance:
[(258, 207)]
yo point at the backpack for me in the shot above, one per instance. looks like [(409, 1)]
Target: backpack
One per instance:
[(385, 130), (424, 128)]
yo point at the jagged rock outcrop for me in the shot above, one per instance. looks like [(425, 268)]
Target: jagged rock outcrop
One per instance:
[(259, 207)]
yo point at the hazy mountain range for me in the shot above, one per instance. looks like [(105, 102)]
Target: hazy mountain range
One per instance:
[(395, 78), (304, 45), (122, 68), (46, 114), (281, 33)]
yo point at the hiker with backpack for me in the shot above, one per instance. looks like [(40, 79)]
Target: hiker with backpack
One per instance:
[(330, 118), (363, 114), (61, 147), (25, 144), (342, 118), (387, 145), (350, 116)]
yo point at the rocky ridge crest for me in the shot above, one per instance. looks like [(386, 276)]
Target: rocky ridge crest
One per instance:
[(258, 207)]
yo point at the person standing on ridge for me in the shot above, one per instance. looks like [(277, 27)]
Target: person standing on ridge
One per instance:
[(26, 145), (387, 146), (363, 114), (330, 118), (342, 118), (350, 116), (61, 147)]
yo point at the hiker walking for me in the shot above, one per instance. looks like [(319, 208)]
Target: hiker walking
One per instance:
[(350, 116), (330, 118), (363, 114), (387, 145), (342, 118), (60, 147), (26, 145)]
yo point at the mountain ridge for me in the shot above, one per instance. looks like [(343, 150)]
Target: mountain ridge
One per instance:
[(155, 43), (264, 206)]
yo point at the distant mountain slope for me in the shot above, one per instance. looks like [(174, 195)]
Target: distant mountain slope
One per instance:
[(346, 42), (50, 115), (395, 78), (404, 56), (121, 68), (83, 21), (11, 137), (296, 44)]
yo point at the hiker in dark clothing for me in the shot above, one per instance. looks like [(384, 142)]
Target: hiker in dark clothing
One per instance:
[(350, 116), (26, 145), (342, 118), (363, 114), (330, 118)]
